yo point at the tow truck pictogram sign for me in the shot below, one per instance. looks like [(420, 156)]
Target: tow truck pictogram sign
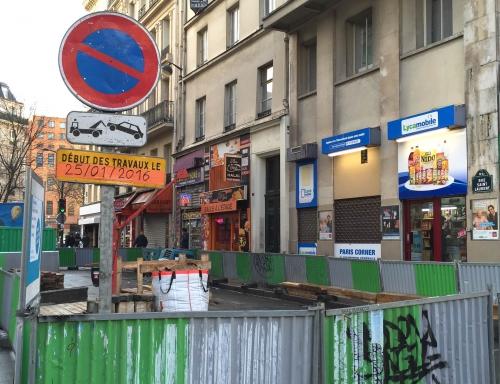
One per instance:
[(106, 129)]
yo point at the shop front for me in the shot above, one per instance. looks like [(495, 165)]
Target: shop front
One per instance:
[(225, 219), (89, 219), (354, 223), (225, 208), (432, 182)]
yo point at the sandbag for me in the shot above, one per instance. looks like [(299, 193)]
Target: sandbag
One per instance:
[(184, 290)]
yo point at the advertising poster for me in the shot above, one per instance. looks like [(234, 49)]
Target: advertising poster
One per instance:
[(11, 214), (485, 219), (390, 222), (432, 166), (218, 151), (325, 221), (306, 178)]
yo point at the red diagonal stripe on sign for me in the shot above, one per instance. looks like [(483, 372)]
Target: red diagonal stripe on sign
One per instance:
[(110, 61)]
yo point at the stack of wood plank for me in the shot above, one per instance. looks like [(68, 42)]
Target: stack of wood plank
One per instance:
[(50, 281)]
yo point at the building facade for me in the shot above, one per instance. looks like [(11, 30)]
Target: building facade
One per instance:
[(230, 160), (393, 128), (51, 137)]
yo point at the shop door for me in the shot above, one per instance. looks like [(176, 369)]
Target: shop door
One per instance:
[(435, 230), (225, 232)]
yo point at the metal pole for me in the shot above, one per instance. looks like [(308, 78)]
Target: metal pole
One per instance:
[(61, 226), (106, 246)]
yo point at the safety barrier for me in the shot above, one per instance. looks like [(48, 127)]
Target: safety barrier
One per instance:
[(11, 239), (12, 260), (9, 302), (274, 347), (439, 340), (479, 277)]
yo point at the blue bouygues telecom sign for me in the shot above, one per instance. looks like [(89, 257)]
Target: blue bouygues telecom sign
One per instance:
[(366, 137)]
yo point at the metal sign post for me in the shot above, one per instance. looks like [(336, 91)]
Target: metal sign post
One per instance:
[(110, 62)]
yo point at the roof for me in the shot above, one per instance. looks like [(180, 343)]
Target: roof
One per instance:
[(5, 92)]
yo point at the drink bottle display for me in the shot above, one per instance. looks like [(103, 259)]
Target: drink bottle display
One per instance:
[(428, 166)]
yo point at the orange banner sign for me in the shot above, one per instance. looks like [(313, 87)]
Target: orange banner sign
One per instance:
[(110, 168), (225, 206)]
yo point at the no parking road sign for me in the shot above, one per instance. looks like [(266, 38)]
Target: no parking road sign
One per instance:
[(109, 61)]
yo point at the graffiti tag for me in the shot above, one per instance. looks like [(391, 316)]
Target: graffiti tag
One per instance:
[(262, 264)]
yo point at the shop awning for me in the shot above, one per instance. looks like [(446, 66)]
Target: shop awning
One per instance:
[(162, 203), (142, 197), (451, 116), (351, 141)]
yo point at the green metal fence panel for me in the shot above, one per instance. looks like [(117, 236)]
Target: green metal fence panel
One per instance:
[(67, 257), (10, 239), (2, 261), (244, 266), (134, 253), (365, 275), (435, 279), (49, 240), (114, 351), (217, 269), (277, 273), (317, 270), (96, 255)]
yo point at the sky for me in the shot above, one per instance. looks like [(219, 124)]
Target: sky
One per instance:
[(32, 31)]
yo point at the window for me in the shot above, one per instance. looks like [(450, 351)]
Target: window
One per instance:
[(359, 43), (39, 159), (62, 125), (154, 152), (269, 6), (200, 118), (50, 159), (39, 145), (50, 136), (39, 135), (266, 90), (165, 36), (202, 46), (434, 21), (233, 25), (230, 106), (41, 123), (71, 210), (308, 67), (62, 136), (50, 182), (52, 123), (50, 208)]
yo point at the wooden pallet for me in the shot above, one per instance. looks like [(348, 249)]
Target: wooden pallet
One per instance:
[(66, 309), (141, 267)]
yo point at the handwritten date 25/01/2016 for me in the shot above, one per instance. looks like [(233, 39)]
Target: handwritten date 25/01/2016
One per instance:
[(102, 171)]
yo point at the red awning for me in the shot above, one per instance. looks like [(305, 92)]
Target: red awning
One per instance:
[(142, 197), (162, 203)]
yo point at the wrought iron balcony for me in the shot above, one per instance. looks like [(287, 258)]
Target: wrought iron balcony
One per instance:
[(160, 113)]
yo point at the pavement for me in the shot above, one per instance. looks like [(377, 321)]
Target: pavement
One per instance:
[(6, 361)]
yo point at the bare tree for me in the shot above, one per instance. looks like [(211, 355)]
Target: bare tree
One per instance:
[(74, 192), (16, 137)]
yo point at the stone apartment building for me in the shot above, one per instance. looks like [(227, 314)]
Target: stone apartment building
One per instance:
[(230, 161), (51, 137), (393, 127)]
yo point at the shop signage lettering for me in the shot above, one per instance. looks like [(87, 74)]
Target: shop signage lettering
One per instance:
[(222, 195), (110, 168), (371, 251), (232, 167), (419, 123), (482, 182), (186, 177), (366, 137), (225, 206), (196, 215)]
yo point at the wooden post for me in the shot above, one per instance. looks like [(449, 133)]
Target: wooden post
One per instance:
[(139, 275)]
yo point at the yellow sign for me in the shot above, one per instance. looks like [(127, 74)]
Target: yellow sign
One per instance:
[(110, 168)]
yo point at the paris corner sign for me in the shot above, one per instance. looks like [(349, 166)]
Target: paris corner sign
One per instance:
[(482, 182), (198, 5), (109, 61)]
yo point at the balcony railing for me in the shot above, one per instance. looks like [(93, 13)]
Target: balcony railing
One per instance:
[(160, 113)]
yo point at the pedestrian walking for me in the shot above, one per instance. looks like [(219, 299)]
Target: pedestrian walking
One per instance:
[(141, 241)]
